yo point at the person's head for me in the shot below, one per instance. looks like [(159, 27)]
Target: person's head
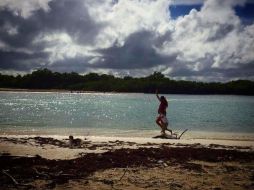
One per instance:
[(163, 98)]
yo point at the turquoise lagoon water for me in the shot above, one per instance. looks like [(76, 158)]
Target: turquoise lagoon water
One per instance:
[(122, 114)]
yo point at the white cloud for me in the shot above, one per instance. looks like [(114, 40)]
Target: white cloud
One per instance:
[(213, 38), (126, 17), (198, 2), (214, 32), (61, 46)]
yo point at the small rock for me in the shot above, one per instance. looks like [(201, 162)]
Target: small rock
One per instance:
[(86, 182), (237, 183), (175, 185), (108, 182), (50, 185)]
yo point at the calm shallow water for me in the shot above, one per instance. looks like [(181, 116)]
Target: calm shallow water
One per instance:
[(99, 113)]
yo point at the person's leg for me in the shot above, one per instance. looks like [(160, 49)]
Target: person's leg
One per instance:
[(163, 129), (159, 123), (166, 127), (169, 130), (164, 123)]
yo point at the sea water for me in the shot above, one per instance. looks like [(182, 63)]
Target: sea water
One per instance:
[(123, 114)]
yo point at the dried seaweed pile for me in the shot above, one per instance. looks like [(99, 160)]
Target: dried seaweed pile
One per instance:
[(22, 171)]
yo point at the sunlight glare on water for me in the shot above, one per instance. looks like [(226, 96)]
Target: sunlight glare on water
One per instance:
[(125, 112)]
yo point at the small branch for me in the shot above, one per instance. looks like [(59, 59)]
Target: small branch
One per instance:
[(15, 181), (123, 174), (12, 178), (51, 175), (182, 133), (40, 173)]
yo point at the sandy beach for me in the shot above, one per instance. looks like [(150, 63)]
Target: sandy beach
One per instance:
[(48, 162)]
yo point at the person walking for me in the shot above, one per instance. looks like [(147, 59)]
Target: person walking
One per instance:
[(162, 120)]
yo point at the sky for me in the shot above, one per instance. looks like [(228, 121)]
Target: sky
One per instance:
[(200, 40)]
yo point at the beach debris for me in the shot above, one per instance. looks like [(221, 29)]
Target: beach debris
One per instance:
[(5, 154), (74, 142), (108, 182), (29, 169), (125, 170), (92, 147), (217, 188), (172, 136), (231, 168), (12, 178), (17, 184), (193, 167), (175, 185), (49, 140), (40, 173), (51, 184)]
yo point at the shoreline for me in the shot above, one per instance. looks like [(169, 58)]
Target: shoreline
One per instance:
[(104, 92), (133, 133), (27, 90), (44, 90)]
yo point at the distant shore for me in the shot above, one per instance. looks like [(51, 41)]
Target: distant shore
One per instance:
[(43, 90), (102, 92), (55, 90), (50, 163), (47, 79)]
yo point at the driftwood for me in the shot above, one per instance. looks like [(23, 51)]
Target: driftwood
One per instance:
[(53, 175), (173, 136), (12, 178), (40, 173), (15, 181), (125, 170)]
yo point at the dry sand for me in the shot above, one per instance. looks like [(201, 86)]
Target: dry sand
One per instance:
[(125, 163)]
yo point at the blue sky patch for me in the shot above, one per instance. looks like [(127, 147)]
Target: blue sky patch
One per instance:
[(246, 13), (181, 10)]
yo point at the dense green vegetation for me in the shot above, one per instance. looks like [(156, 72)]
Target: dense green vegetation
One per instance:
[(46, 79)]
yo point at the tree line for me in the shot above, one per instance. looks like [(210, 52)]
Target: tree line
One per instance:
[(46, 79)]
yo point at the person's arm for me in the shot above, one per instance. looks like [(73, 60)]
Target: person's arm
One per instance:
[(157, 95)]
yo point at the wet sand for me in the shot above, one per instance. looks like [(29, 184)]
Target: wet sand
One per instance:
[(112, 163)]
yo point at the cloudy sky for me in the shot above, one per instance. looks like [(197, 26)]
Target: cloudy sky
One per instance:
[(204, 40)]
